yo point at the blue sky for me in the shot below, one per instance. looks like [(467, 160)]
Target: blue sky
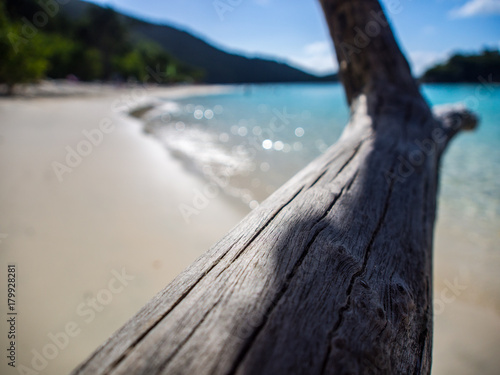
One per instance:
[(294, 31)]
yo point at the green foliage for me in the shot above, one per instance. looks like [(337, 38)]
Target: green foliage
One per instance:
[(68, 57), (138, 62), (87, 64), (60, 52), (102, 29), (148, 62), (186, 73), (130, 66), (97, 46), (22, 58), (466, 68)]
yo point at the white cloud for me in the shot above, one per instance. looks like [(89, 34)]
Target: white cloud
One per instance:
[(317, 48), (475, 8), (420, 61), (317, 57)]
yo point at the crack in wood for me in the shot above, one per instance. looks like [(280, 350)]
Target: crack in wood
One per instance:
[(351, 182), (289, 278), (355, 276), (327, 166), (126, 352), (423, 335), (387, 108), (320, 176), (422, 339), (351, 158), (277, 212), (115, 363), (179, 347)]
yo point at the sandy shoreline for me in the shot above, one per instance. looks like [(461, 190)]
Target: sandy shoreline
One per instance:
[(69, 232), (466, 304), (117, 209)]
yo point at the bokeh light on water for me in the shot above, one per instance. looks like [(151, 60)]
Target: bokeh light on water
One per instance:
[(255, 138)]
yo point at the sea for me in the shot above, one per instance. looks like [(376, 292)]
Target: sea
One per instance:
[(250, 139), (253, 138)]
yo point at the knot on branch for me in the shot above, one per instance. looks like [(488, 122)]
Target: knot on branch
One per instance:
[(455, 117)]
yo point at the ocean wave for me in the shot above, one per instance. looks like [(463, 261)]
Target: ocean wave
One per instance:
[(200, 149)]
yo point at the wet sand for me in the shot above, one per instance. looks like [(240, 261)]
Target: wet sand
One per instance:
[(117, 212)]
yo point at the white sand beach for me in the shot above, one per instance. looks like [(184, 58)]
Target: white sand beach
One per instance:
[(117, 211)]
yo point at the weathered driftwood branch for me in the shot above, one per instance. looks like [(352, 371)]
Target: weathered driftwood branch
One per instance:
[(333, 273)]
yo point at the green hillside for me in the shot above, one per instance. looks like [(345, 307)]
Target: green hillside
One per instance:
[(466, 68), (218, 66), (89, 42)]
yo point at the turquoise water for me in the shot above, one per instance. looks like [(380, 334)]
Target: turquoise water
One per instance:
[(470, 184), (257, 137)]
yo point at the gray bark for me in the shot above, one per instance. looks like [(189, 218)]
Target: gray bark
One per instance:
[(332, 274)]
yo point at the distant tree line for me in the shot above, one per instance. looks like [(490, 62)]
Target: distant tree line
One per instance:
[(39, 41), (466, 68)]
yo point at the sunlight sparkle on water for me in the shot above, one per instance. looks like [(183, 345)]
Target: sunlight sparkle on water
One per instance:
[(267, 144), (299, 132)]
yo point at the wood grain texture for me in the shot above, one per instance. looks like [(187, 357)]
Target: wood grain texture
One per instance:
[(332, 274)]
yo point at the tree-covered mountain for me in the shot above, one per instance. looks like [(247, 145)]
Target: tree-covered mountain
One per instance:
[(88, 42), (466, 68), (39, 40), (218, 66)]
